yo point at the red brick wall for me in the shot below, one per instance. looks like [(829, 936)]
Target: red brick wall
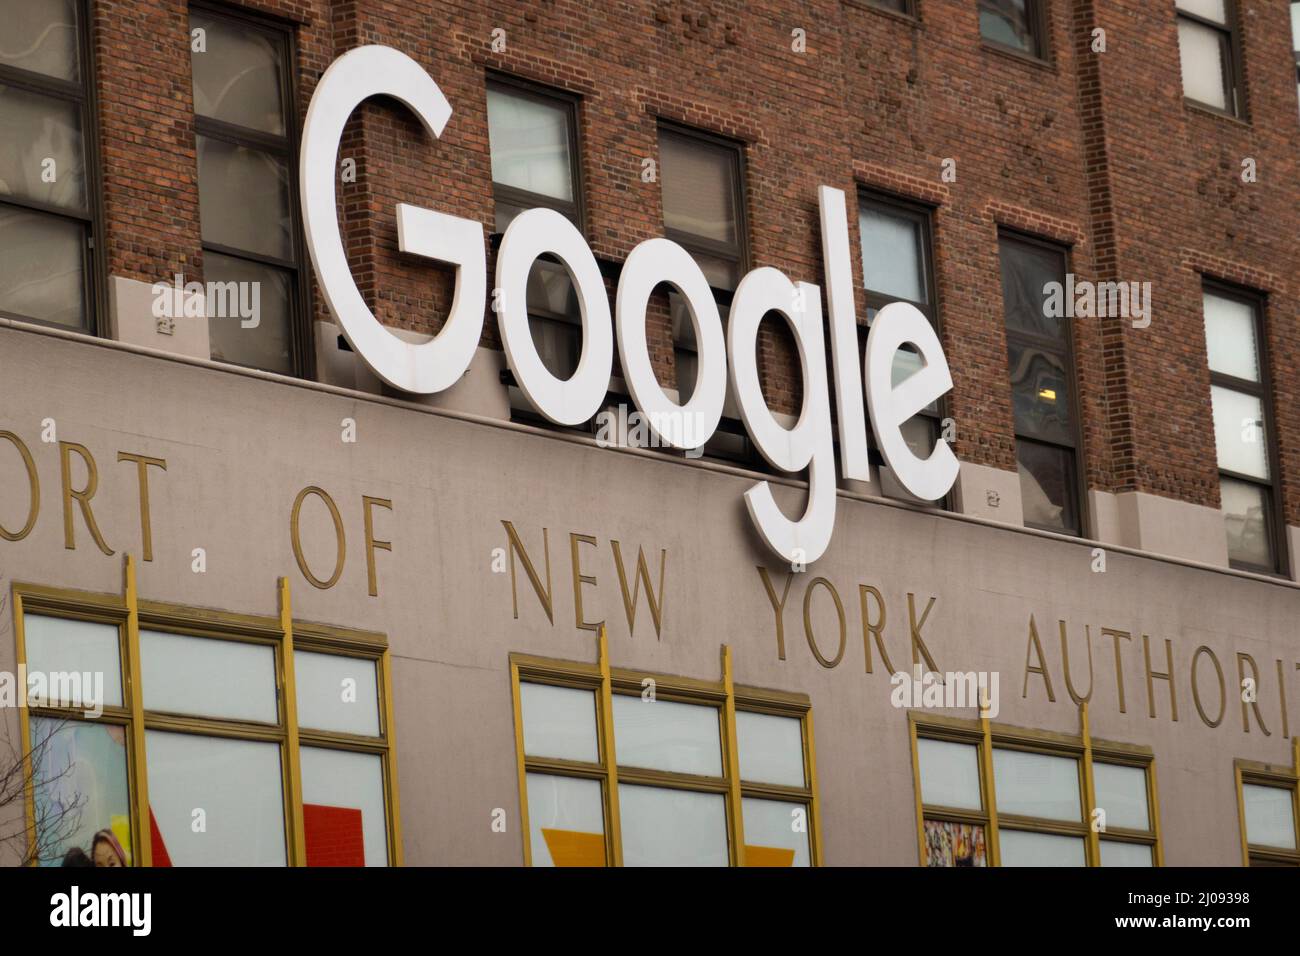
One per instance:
[(1097, 151)]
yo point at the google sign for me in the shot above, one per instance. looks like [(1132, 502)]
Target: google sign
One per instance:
[(433, 366)]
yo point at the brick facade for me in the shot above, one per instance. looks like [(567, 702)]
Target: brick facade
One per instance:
[(1096, 151)]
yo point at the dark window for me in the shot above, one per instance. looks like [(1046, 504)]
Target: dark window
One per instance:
[(248, 206), (906, 7), (48, 197), (1041, 364), (896, 267), (534, 142), (1240, 399), (1208, 47), (702, 182), (1017, 25)]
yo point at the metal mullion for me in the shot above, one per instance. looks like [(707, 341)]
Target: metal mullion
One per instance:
[(974, 818), (1245, 385), (1264, 483), (236, 135), (320, 738), (669, 780), (1011, 821), (515, 196), (85, 218), (213, 727), (563, 768), (775, 791), (704, 246), (45, 84), (287, 265)]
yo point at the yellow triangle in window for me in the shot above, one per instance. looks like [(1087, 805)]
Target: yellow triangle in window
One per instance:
[(573, 848), (768, 856)]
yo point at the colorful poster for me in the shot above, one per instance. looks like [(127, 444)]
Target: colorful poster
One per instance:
[(954, 844), (82, 800)]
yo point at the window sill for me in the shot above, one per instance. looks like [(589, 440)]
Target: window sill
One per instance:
[(1019, 56), (1197, 107), (908, 19)]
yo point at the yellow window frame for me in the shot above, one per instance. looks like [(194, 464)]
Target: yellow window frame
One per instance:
[(281, 633), (986, 737), (1269, 775), (606, 681)]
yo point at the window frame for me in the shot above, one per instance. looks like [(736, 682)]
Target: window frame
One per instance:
[(1039, 24), (987, 737), (1249, 772), (1262, 390), (84, 95), (283, 634), (1230, 47), (604, 682), (698, 245), (922, 214), (1078, 488), (1294, 9), (287, 147)]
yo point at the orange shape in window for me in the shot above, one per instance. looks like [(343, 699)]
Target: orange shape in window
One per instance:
[(573, 848), (768, 856)]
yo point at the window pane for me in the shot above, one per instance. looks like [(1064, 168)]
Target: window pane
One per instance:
[(699, 186), (1008, 22), (1270, 816), (919, 434), (530, 144), (664, 827), (230, 680), (1122, 793), (58, 646), (1026, 272), (1210, 9), (343, 808), (1114, 853), (776, 833), (237, 76), (1239, 432), (237, 786), (898, 5), (263, 297), (566, 821), (244, 198), (1201, 50), (41, 36), (42, 269), (1047, 485), (950, 774), (337, 693), (79, 774), (1022, 848), (1040, 392), (41, 150), (771, 748), (1036, 785), (1295, 27), (559, 722), (667, 735), (1230, 337), (954, 844), (1246, 514), (893, 262)]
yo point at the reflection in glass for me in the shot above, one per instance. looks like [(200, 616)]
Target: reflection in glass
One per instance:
[(41, 36), (1040, 393), (237, 75), (1230, 337), (893, 263), (41, 149), (529, 140), (266, 344), (1201, 52), (1239, 432), (42, 273), (1007, 22), (80, 787), (1047, 485), (1027, 270), (244, 198), (1247, 516)]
